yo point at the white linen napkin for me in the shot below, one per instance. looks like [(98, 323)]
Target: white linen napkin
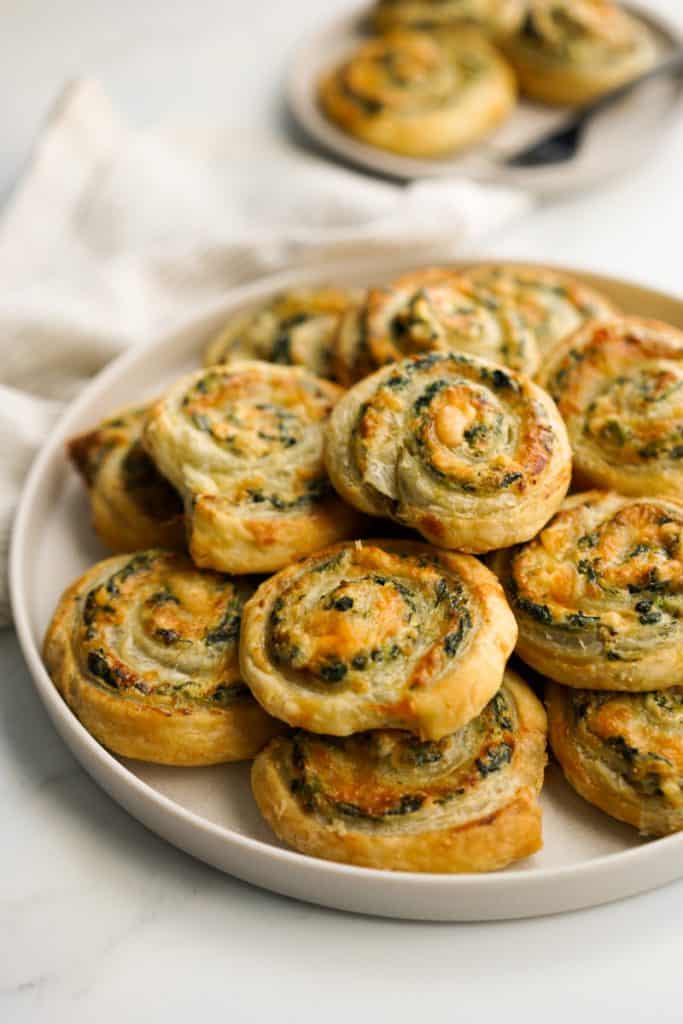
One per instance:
[(113, 237)]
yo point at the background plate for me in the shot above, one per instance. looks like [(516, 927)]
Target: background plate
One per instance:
[(616, 140), (588, 858)]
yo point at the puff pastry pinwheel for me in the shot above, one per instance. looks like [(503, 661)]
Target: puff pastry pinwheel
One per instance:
[(549, 303), (619, 387), (598, 595), (498, 17), (377, 633), (244, 446), (570, 51), (143, 648), (473, 456), (295, 328), (420, 95), (385, 799), (132, 505), (623, 752), (431, 310)]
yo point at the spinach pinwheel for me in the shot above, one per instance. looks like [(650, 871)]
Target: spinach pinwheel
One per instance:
[(619, 387), (623, 752), (385, 799), (598, 595), (472, 455), (377, 633), (144, 650), (132, 505), (244, 446)]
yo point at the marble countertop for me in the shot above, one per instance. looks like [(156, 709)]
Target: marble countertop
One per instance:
[(99, 919)]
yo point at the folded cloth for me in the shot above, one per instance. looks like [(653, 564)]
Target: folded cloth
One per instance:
[(113, 237)]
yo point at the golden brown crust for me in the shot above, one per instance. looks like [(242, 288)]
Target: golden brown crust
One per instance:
[(495, 17), (243, 444), (572, 51), (598, 595), (377, 634), (143, 648), (431, 310), (550, 304), (133, 506), (420, 95), (473, 456), (294, 328), (622, 752), (385, 800), (619, 387)]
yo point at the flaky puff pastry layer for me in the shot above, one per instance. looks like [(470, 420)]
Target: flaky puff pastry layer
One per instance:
[(295, 328), (495, 17), (598, 595), (619, 387), (472, 455), (377, 634), (143, 648), (549, 304), (420, 95), (431, 310), (132, 505), (244, 446), (572, 51), (622, 752), (384, 799)]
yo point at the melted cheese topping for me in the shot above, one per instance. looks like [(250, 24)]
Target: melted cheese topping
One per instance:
[(372, 621)]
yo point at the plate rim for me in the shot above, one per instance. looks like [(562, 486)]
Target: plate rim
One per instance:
[(301, 103), (114, 776)]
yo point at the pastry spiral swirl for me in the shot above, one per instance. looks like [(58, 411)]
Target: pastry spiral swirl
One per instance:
[(296, 328), (132, 505), (377, 634), (473, 456), (243, 444), (551, 305), (143, 648), (598, 595), (432, 310), (623, 753), (385, 799), (420, 95), (496, 17), (619, 388), (570, 51)]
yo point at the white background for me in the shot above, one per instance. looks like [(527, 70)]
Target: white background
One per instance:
[(99, 920)]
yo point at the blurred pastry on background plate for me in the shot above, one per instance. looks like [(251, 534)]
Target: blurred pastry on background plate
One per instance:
[(420, 95), (571, 51), (497, 17)]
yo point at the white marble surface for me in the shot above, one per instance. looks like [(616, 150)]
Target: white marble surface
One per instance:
[(99, 920)]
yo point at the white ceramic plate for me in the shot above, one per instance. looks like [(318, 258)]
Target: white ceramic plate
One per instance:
[(587, 857), (616, 140)]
